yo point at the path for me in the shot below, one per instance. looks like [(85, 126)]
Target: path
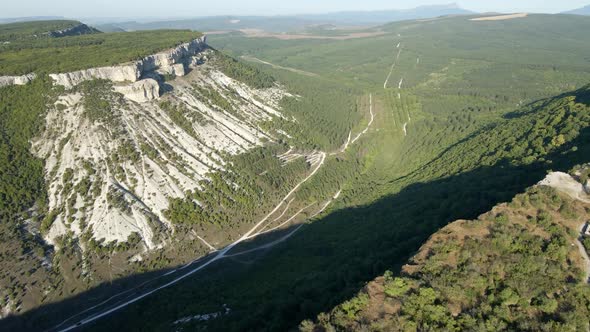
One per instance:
[(393, 65), (220, 255), (293, 70), (207, 244), (370, 122)]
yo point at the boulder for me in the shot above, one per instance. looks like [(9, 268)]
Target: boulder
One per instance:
[(140, 91)]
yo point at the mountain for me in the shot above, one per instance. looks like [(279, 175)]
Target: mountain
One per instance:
[(298, 22), (383, 16), (30, 19), (580, 11)]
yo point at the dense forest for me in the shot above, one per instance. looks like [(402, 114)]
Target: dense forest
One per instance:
[(514, 268), (55, 55)]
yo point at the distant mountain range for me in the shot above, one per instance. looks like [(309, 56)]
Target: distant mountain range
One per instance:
[(30, 18), (292, 22), (580, 11)]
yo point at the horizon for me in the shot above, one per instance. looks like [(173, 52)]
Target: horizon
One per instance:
[(263, 8)]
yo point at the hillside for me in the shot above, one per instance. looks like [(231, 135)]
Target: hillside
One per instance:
[(36, 30), (517, 267), (140, 165)]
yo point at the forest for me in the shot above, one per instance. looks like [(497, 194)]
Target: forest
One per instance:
[(513, 268), (65, 54), (462, 125)]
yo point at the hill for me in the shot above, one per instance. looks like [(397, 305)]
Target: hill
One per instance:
[(35, 30), (518, 267), (290, 23), (26, 54)]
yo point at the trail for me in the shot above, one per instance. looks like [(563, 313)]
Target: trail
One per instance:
[(207, 243), (388, 76), (370, 122), (347, 142), (283, 223), (399, 86), (393, 65), (326, 205), (268, 245), (220, 255), (293, 70), (405, 129)]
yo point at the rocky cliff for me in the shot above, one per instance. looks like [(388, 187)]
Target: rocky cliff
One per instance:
[(171, 61), (112, 176), (16, 80)]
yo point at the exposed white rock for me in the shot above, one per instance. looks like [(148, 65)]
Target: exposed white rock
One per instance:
[(566, 184), (125, 73), (140, 91), (170, 62), (16, 80), (129, 196)]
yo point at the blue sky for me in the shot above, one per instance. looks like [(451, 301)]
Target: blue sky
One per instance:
[(192, 8)]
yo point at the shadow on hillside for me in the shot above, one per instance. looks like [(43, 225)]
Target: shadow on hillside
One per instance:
[(581, 95), (323, 264)]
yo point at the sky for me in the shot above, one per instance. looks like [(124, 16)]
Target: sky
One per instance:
[(195, 8)]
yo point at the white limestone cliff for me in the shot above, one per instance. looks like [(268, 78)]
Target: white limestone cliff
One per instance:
[(169, 159), (16, 80), (118, 74), (141, 91), (171, 61)]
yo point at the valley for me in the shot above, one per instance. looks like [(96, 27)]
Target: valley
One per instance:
[(230, 183)]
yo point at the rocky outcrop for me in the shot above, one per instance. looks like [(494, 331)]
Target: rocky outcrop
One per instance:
[(140, 91), (80, 29), (158, 155), (16, 80), (172, 61), (117, 74)]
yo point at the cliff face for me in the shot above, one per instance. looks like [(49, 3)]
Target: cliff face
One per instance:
[(143, 152), (140, 91), (16, 80), (124, 73), (172, 61)]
